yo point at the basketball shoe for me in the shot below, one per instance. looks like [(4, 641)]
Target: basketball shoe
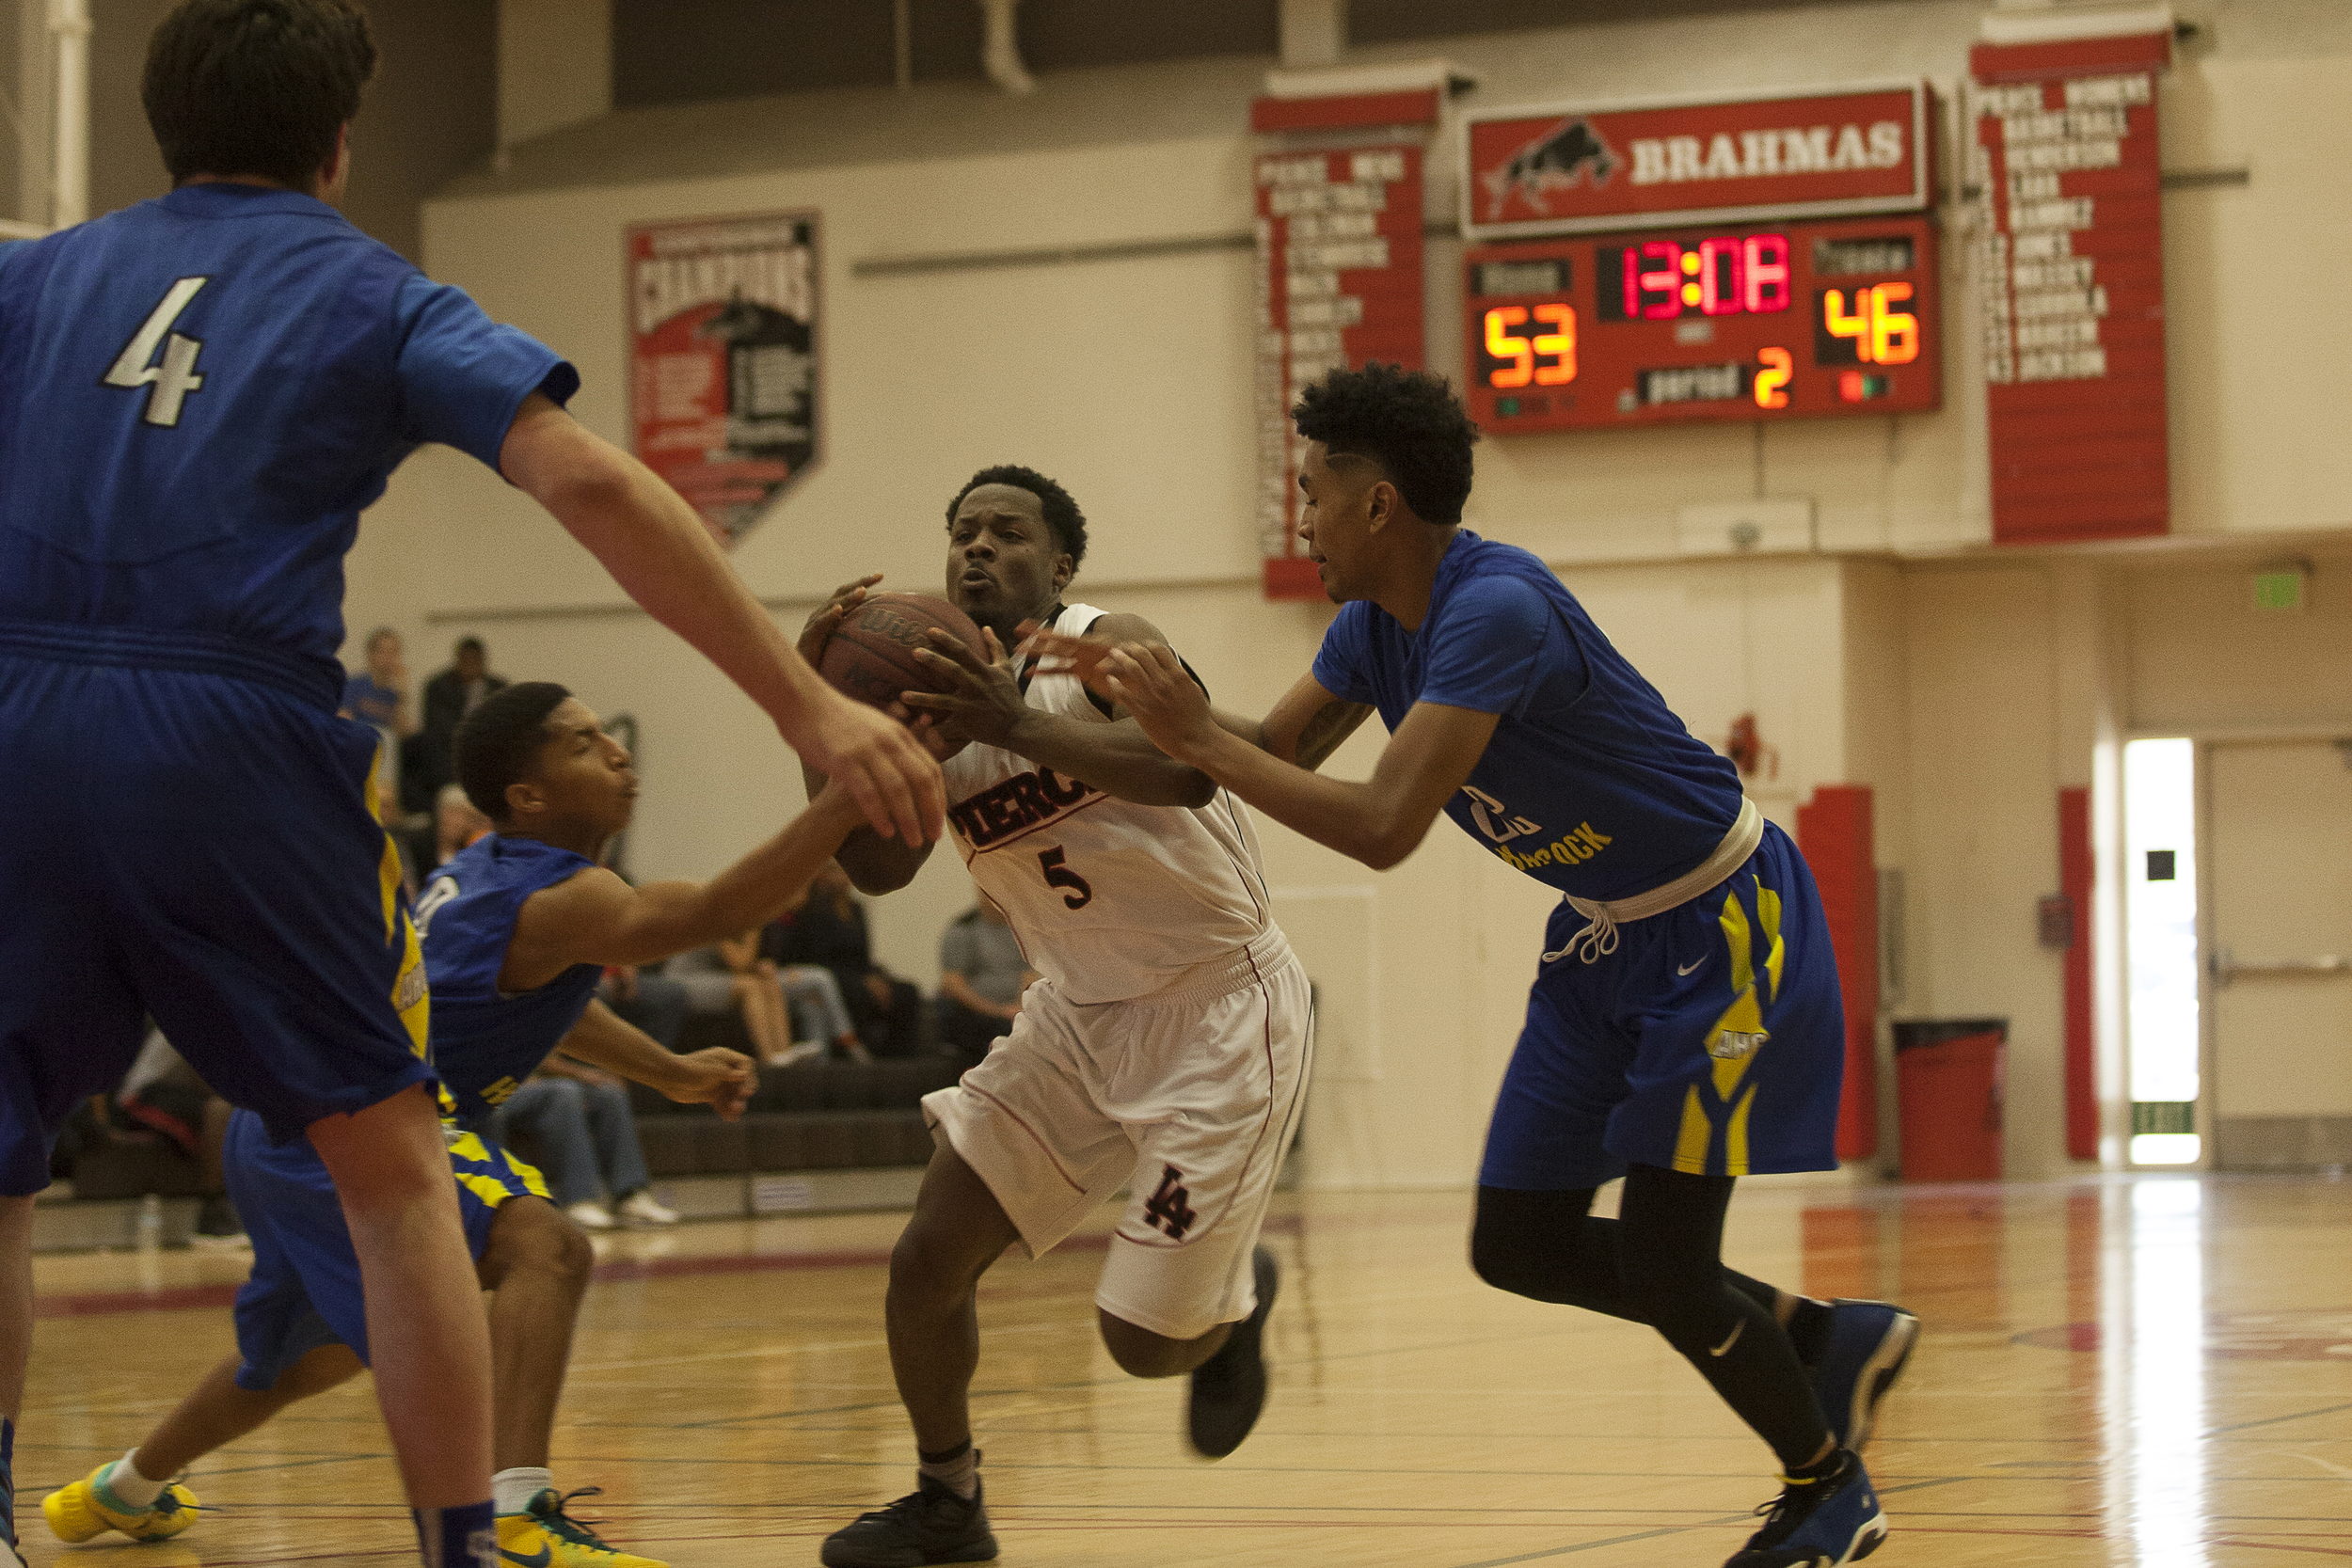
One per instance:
[(1229, 1388), (929, 1523), (544, 1536), (86, 1508), (1868, 1342), (1825, 1522)]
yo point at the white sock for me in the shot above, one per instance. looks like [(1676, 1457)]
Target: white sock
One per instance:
[(511, 1491), (959, 1473), (129, 1488)]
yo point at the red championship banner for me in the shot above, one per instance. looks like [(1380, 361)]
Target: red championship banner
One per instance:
[(2073, 287), (1590, 167), (1338, 284), (722, 360)]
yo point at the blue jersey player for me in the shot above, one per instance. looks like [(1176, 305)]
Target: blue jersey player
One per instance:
[(202, 393), (1684, 1028), (516, 930)]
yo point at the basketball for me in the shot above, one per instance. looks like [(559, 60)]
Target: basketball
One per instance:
[(871, 656)]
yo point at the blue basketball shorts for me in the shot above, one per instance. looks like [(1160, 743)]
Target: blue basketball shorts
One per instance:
[(304, 1290), (203, 847), (1712, 1041)]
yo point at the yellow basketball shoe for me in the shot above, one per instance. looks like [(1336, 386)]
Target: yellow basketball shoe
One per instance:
[(86, 1508), (544, 1536)]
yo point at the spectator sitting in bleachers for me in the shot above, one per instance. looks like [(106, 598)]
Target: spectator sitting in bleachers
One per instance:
[(456, 824), (165, 1095), (827, 929), (792, 1012), (981, 976), (650, 998), (587, 1137)]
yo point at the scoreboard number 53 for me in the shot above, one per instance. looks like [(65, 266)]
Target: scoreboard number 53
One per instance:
[(1522, 354)]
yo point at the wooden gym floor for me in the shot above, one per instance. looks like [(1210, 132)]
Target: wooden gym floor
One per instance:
[(2152, 1372)]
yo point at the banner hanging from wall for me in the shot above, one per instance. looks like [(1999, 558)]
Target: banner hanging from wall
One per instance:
[(1567, 168), (1339, 285), (2065, 151), (722, 360)]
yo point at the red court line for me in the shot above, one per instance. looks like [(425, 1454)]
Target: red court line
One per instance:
[(97, 1304)]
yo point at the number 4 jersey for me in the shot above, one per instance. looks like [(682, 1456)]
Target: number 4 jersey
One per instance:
[(1111, 900), (204, 390)]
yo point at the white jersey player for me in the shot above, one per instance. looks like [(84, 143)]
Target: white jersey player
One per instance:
[(1164, 1050)]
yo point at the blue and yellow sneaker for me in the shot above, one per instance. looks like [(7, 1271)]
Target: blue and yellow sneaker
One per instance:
[(86, 1508), (1825, 1522), (1869, 1344), (544, 1536)]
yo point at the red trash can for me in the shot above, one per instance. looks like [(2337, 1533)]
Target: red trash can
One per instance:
[(1948, 1095)]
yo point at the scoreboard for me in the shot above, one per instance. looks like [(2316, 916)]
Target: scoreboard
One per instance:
[(1754, 321)]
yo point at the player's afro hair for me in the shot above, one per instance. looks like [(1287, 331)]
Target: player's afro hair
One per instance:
[(1407, 422), (255, 86), (1061, 512), (498, 743)]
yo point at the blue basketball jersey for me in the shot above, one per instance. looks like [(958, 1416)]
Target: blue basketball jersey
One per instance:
[(204, 390), (1590, 784), (486, 1041)]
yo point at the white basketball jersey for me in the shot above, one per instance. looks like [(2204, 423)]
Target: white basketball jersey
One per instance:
[(1111, 900)]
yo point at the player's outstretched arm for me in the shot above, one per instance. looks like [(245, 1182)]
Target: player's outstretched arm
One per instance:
[(721, 1079), (596, 918), (1305, 727), (1117, 758), (874, 865), (657, 548), (1378, 821)]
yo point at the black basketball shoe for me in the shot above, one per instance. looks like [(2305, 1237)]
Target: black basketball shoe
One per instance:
[(929, 1523), (1229, 1388)]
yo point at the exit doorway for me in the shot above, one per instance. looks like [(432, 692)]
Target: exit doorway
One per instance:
[(2237, 881)]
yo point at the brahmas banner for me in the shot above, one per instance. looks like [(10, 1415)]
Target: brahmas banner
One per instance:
[(1584, 168), (722, 360)]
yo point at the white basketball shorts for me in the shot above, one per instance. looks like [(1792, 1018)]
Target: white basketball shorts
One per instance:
[(1186, 1097)]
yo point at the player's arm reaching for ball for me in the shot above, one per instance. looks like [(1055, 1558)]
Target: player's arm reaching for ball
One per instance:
[(597, 918), (1305, 727), (657, 548), (1378, 821), (1117, 758), (721, 1079)]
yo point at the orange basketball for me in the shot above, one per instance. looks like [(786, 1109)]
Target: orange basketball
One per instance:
[(871, 655)]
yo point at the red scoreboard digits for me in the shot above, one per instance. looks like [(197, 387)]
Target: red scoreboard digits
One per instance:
[(1748, 321)]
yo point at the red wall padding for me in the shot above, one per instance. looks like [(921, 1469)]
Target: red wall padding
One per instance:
[(1834, 832), (2082, 1087)]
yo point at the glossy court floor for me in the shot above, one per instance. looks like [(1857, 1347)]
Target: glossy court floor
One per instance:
[(2153, 1371)]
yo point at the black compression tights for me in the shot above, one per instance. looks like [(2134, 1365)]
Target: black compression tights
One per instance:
[(1660, 1263)]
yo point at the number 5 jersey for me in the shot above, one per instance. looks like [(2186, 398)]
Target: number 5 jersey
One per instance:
[(1110, 900)]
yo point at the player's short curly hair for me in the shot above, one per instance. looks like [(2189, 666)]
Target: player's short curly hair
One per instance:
[(498, 743), (1061, 512), (1407, 422), (255, 86)]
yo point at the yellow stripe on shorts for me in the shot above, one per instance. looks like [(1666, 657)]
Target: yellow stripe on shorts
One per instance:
[(497, 1174)]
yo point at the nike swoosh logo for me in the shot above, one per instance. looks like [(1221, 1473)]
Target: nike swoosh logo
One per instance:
[(1718, 1350), (1686, 969), (547, 1554)]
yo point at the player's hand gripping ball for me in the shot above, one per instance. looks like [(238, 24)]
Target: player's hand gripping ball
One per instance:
[(870, 656)]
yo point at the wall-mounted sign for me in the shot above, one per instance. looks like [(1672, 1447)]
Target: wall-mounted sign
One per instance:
[(1742, 321), (723, 390), (2073, 287), (1582, 167), (1338, 284)]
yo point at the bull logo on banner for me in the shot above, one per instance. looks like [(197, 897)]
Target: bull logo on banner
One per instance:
[(1560, 159), (722, 387)]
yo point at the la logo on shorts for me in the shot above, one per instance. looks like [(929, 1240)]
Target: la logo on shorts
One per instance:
[(1170, 1206)]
